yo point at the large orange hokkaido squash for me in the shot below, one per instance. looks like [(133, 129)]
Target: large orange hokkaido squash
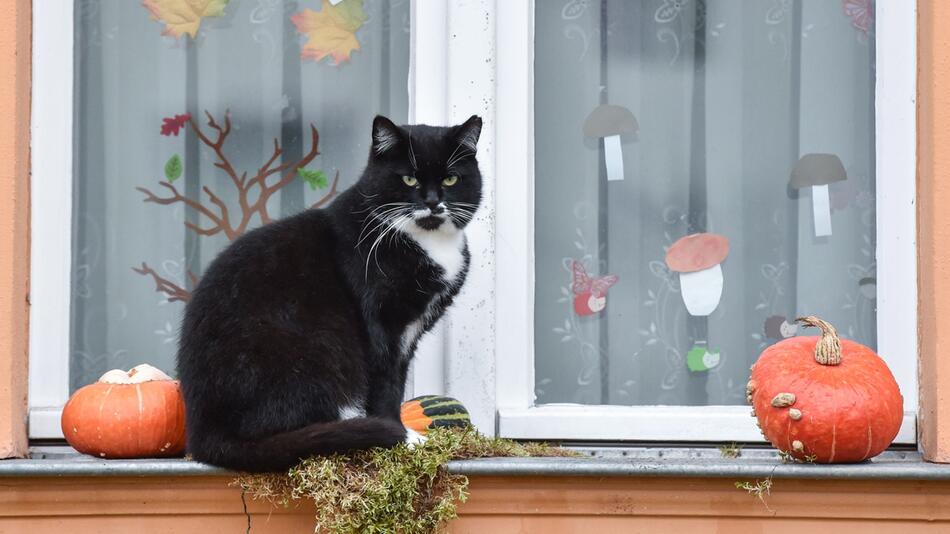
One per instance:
[(134, 414), (825, 399)]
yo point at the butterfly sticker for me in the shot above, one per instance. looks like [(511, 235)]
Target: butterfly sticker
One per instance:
[(590, 294), (861, 13)]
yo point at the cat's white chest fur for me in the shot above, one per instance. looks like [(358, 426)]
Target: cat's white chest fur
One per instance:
[(443, 246)]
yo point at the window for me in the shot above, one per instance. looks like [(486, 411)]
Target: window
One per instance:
[(702, 111), (176, 128), (727, 99), (654, 120)]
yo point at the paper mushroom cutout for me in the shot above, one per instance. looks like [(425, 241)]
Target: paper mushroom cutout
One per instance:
[(590, 293), (778, 327), (868, 287), (697, 257), (699, 358), (610, 122), (817, 171)]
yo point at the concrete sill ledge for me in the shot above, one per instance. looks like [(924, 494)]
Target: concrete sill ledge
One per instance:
[(603, 462)]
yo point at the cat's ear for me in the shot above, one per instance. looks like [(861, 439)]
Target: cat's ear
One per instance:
[(385, 135), (468, 132)]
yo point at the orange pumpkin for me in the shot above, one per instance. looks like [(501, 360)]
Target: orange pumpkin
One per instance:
[(134, 414), (825, 399)]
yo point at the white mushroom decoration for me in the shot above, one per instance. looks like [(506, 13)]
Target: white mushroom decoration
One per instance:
[(697, 257), (610, 122), (778, 327), (817, 171), (868, 287)]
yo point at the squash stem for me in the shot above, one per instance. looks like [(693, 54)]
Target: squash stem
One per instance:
[(828, 348)]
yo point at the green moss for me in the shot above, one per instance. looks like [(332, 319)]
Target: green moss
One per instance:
[(733, 450), (400, 490), (787, 458), (760, 489)]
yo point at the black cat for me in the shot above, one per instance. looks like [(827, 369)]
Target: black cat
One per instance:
[(297, 339)]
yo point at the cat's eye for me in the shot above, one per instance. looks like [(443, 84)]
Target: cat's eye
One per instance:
[(449, 181), (411, 181)]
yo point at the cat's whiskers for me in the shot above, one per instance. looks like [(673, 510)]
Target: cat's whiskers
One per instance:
[(383, 207), (367, 232), (453, 159), (374, 208), (460, 206), (364, 195), (453, 155), (461, 213), (384, 223), (412, 154), (461, 220), (380, 219), (374, 223), (374, 249), (399, 228)]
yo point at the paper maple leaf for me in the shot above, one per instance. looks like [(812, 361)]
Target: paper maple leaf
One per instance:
[(330, 31), (171, 125), (183, 16)]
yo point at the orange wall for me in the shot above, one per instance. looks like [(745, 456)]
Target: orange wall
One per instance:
[(548, 505), (14, 221), (933, 219)]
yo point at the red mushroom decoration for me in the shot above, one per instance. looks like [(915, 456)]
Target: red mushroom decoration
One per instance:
[(134, 414), (697, 257), (590, 292), (825, 399)]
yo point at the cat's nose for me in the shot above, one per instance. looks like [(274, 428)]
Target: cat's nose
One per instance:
[(435, 207)]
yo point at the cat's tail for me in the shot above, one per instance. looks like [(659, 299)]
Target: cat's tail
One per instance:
[(282, 451)]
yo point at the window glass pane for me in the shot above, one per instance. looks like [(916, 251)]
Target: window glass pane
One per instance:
[(257, 59), (654, 120)]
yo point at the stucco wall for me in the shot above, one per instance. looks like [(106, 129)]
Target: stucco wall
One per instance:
[(14, 222), (549, 505), (933, 219)]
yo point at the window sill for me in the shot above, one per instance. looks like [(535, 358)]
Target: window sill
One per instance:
[(604, 462)]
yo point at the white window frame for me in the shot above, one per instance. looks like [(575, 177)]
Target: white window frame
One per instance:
[(477, 57), (51, 184), (511, 340)]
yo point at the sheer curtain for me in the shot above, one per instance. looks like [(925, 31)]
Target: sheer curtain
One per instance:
[(246, 62), (728, 96)]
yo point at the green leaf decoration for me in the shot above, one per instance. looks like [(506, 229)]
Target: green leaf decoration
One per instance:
[(316, 179), (173, 168)]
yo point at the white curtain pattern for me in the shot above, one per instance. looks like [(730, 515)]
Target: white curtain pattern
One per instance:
[(728, 96), (246, 61)]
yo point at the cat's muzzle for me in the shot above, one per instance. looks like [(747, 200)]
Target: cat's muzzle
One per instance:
[(430, 218)]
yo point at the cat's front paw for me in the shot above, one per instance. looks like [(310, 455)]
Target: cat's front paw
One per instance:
[(414, 438)]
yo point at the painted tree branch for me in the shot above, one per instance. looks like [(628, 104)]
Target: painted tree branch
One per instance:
[(220, 220), (261, 179), (216, 211), (163, 285)]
